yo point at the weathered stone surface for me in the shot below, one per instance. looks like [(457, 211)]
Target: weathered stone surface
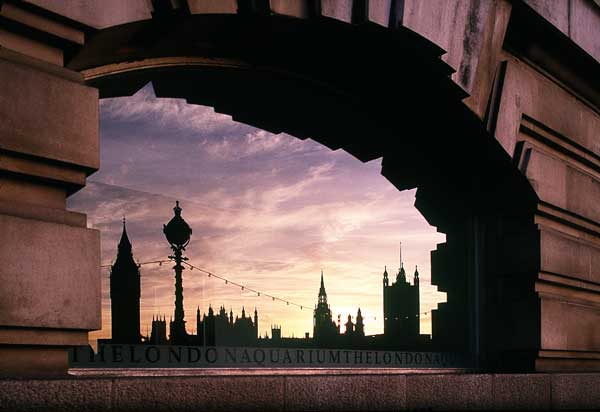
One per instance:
[(379, 12), (444, 392), (548, 176), (345, 393), (32, 193), (488, 72), (568, 256), (23, 359), (564, 255), (31, 47), (298, 9), (239, 393), (556, 12), (583, 25), (337, 9), (457, 27), (522, 392), (21, 15), (99, 14), (577, 19), (525, 91), (50, 275), (570, 324), (576, 391), (64, 177), (46, 214), (36, 336), (55, 395), (210, 7), (47, 116)]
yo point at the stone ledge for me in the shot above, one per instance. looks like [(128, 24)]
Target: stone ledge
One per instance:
[(320, 390)]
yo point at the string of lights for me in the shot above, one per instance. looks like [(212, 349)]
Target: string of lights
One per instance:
[(151, 262), (242, 287)]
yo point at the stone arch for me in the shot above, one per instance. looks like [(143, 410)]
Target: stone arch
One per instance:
[(375, 92)]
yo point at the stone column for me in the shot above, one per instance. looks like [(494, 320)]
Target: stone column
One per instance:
[(49, 259)]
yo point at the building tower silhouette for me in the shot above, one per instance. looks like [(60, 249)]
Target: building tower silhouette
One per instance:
[(349, 326), (325, 330), (159, 331), (401, 308), (359, 328), (125, 294)]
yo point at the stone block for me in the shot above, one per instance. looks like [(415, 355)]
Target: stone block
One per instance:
[(576, 391), (46, 214), (457, 27), (548, 176), (37, 336), (568, 256), (379, 12), (584, 25), (68, 178), (16, 13), (595, 266), (556, 12), (39, 360), (55, 395), (212, 7), (300, 9), (522, 392), (345, 392), (570, 324), (239, 393), (583, 194), (31, 48), (48, 116), (449, 392), (99, 14), (50, 275), (526, 91), (32, 193), (564, 362), (337, 9), (552, 330), (564, 185)]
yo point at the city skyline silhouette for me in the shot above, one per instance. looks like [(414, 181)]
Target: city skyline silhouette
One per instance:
[(263, 207), (401, 313)]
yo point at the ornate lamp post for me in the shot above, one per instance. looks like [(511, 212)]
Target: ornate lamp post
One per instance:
[(178, 233)]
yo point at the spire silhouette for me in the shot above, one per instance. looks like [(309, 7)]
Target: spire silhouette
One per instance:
[(322, 288), (322, 293), (385, 276), (401, 255), (124, 243), (401, 274)]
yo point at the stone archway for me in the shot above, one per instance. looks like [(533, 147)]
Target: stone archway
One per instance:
[(318, 69), (322, 78)]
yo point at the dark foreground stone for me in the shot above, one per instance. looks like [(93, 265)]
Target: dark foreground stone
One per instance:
[(305, 390)]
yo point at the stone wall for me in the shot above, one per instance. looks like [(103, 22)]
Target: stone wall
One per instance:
[(305, 391), (50, 275), (533, 102)]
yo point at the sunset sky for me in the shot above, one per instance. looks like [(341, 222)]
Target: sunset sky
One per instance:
[(268, 211)]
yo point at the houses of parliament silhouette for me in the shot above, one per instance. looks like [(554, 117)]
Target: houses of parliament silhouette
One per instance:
[(401, 309)]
